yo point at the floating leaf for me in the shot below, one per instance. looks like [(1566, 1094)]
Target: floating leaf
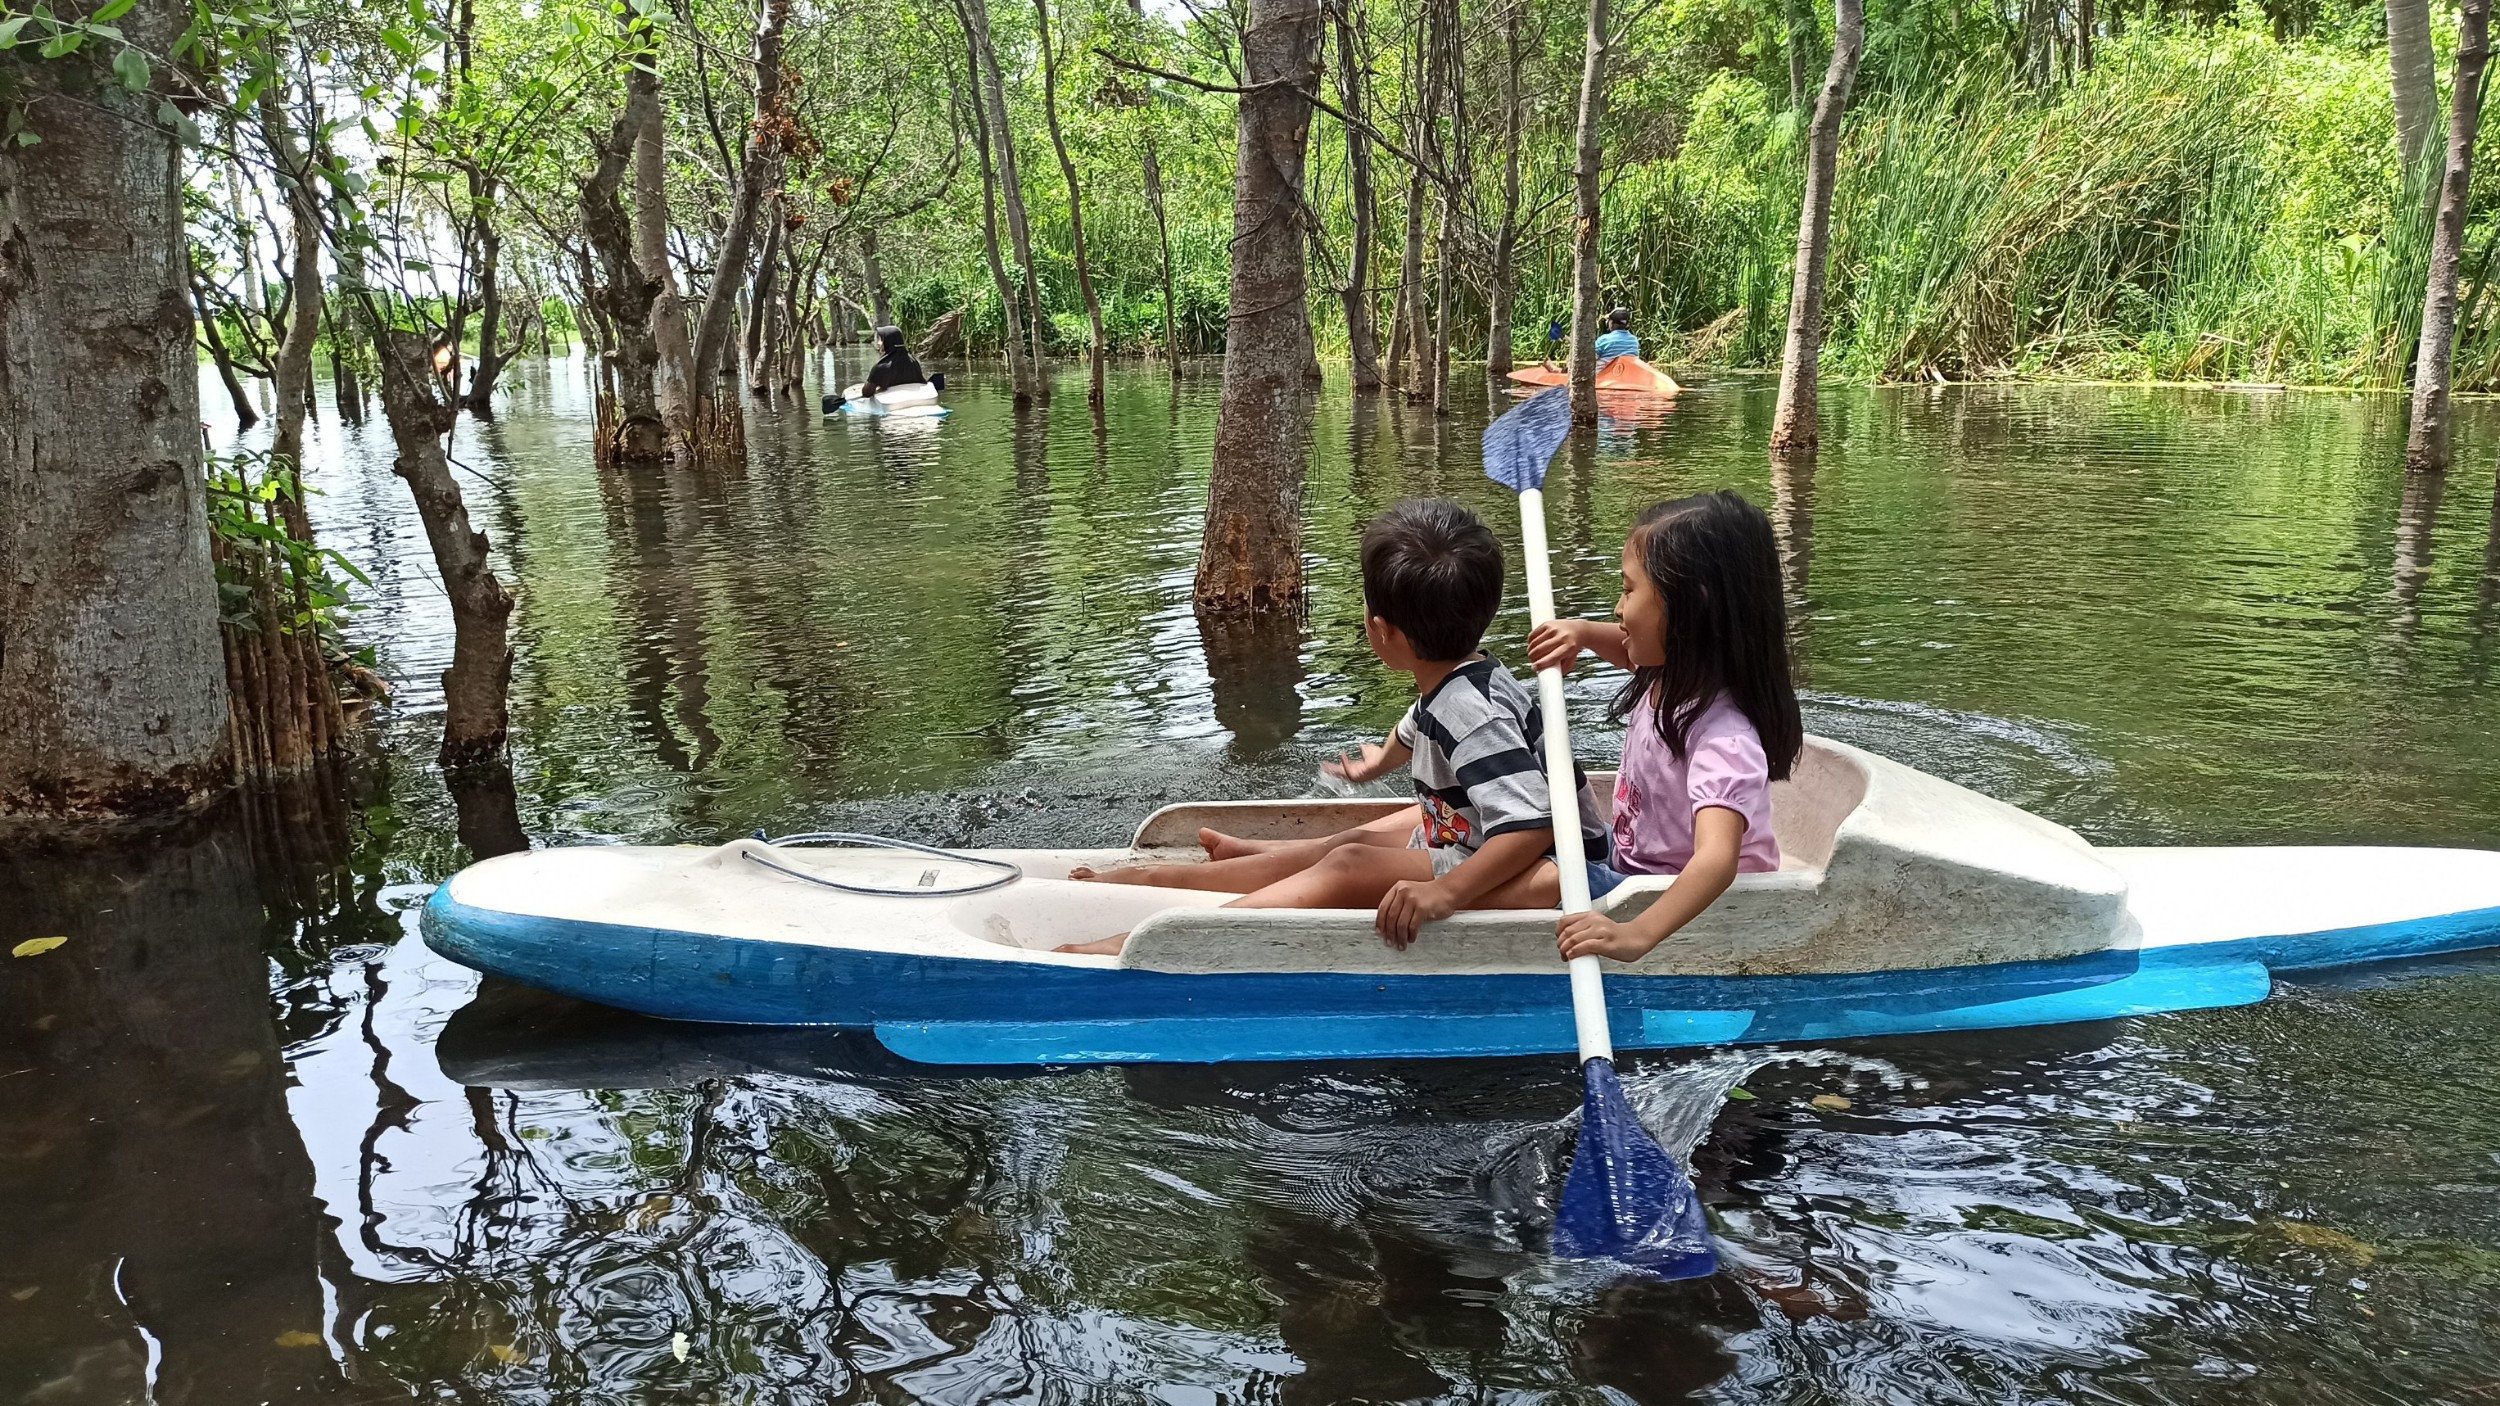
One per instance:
[(505, 1353), (677, 1344), (1740, 1095), (297, 1337), (1832, 1103), (36, 946), (22, 1295), (2322, 1238)]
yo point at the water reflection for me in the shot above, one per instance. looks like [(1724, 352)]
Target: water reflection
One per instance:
[(332, 1166)]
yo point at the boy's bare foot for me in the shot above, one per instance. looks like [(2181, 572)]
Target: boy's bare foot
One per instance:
[(1100, 947), (1219, 845)]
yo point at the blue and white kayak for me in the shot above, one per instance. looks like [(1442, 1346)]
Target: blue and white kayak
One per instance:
[(916, 401), (1907, 905)]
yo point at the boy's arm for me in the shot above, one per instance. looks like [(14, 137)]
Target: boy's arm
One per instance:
[(1412, 903), (1378, 759)]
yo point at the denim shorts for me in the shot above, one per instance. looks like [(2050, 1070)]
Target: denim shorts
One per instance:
[(1603, 880)]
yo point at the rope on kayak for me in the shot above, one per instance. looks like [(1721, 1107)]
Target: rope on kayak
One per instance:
[(1008, 873)]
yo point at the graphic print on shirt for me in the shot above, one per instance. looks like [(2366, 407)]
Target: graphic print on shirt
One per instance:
[(1444, 826), (1627, 813)]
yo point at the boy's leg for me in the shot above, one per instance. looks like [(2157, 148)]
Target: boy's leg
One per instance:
[(1253, 870), (1349, 876)]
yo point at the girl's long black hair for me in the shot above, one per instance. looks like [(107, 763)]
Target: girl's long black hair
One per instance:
[(1717, 569)]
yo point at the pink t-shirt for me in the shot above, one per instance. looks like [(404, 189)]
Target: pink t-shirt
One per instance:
[(1656, 794)]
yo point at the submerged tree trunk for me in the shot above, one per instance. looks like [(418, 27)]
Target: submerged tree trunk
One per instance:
[(1021, 372), (2426, 446), (1497, 329), (1796, 424), (672, 349), (623, 294), (246, 414), (1586, 169), (1362, 337), (1404, 304), (2416, 88), (992, 93), (112, 678), (1096, 350), (759, 169), (476, 720), (492, 355), (1250, 558), (294, 368), (760, 307)]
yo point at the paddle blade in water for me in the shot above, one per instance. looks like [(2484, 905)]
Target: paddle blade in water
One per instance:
[(1519, 445), (1626, 1199)]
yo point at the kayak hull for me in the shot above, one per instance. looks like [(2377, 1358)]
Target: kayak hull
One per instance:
[(958, 1010), (1905, 905)]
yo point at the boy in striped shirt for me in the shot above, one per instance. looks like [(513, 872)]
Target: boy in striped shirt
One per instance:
[(1481, 832)]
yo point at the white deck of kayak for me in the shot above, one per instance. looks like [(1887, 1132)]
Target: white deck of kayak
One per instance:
[(1887, 869)]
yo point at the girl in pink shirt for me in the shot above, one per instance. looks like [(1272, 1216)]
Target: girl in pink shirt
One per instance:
[(1711, 714)]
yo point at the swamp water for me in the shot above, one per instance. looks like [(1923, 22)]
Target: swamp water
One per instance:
[(258, 1144)]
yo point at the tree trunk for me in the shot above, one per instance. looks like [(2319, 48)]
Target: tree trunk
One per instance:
[(993, 94), (2416, 89), (880, 297), (1795, 425), (1497, 328), (1800, 44), (1451, 155), (245, 414), (2426, 446), (1586, 169), (1250, 557), (294, 368), (1362, 337), (112, 676), (1403, 307), (492, 355), (623, 295), (760, 307), (758, 172), (2084, 22), (1097, 350), (1021, 371), (1152, 161), (476, 720), (673, 352)]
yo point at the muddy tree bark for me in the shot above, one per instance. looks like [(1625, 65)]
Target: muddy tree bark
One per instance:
[(1587, 166), (1796, 424), (2416, 88), (622, 293), (1362, 336), (1096, 350), (476, 720), (992, 93), (759, 169), (1021, 371), (1250, 557), (112, 675), (2426, 444)]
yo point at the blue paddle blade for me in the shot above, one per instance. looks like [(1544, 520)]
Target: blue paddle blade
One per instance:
[(1520, 445), (1626, 1199)]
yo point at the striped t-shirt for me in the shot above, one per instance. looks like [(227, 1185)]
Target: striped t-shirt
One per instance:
[(1479, 741)]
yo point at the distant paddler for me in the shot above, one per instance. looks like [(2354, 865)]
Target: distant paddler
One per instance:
[(1619, 364), (1618, 339), (895, 369)]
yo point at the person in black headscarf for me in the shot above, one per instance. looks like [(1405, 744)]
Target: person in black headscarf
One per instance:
[(895, 368)]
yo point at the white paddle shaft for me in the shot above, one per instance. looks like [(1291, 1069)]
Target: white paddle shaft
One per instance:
[(1588, 991)]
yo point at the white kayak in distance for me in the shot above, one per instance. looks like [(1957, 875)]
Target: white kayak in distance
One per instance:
[(919, 400), (1905, 905)]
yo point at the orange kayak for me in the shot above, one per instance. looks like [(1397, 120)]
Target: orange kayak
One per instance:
[(1624, 373)]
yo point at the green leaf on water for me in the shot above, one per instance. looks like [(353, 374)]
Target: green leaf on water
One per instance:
[(36, 946), (1740, 1095)]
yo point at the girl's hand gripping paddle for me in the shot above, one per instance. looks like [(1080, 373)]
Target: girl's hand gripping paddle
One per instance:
[(1625, 1198)]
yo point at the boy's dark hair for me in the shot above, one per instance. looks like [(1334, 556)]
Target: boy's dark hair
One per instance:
[(1620, 317), (1716, 565), (1434, 570)]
